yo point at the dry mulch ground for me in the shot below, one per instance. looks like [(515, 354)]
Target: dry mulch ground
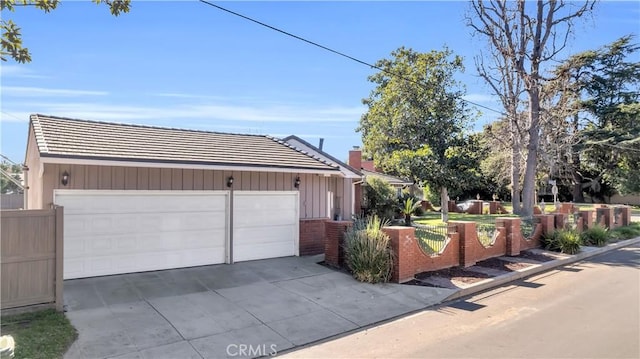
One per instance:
[(455, 273), (459, 274), (502, 265)]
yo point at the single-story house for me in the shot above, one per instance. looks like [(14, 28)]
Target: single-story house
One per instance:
[(346, 194), (140, 198)]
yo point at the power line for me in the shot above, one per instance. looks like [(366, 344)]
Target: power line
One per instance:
[(331, 50)]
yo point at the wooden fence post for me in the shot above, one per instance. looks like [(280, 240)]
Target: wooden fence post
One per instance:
[(59, 278)]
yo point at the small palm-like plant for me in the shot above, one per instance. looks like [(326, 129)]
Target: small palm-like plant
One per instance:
[(367, 251), (596, 236), (563, 240), (409, 206)]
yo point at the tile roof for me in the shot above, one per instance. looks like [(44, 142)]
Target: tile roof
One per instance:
[(82, 139)]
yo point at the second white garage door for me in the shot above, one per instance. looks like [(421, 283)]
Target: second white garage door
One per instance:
[(112, 232), (265, 224)]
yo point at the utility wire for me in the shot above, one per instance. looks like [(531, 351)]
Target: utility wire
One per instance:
[(332, 50)]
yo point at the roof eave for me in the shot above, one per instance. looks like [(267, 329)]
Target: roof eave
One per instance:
[(129, 162)]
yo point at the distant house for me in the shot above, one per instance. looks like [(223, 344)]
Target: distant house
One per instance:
[(368, 170)]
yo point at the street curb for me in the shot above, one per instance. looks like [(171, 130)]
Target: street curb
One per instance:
[(510, 277)]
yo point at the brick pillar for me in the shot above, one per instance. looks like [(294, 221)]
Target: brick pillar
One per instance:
[(560, 220), (403, 246), (604, 217), (452, 206), (512, 226), (567, 208), (626, 216), (548, 223), (493, 207), (579, 223), (334, 232), (476, 207), (468, 233), (587, 218)]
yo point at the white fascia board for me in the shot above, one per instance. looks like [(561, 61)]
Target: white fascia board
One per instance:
[(96, 162)]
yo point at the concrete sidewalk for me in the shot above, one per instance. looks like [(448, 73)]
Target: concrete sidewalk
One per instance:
[(247, 309), (243, 310)]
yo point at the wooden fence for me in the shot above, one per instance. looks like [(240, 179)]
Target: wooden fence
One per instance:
[(12, 201), (31, 258)]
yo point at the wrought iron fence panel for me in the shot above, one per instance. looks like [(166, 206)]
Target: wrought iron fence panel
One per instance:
[(433, 239), (527, 227), (487, 232), (617, 215)]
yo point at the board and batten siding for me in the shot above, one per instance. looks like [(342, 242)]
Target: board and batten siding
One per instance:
[(318, 194)]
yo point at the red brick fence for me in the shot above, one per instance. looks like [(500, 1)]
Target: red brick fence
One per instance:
[(463, 248)]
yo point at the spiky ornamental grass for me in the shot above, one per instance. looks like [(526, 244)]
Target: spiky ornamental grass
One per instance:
[(367, 251)]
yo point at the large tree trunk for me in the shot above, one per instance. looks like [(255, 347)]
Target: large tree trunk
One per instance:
[(444, 208), (529, 185), (515, 169), (578, 194)]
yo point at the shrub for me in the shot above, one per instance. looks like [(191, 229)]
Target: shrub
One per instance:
[(367, 251), (595, 236), (380, 198), (563, 240), (626, 232), (430, 195)]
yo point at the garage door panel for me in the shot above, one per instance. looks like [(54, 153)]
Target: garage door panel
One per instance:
[(112, 232), (262, 251), (268, 218), (265, 225), (132, 203), (105, 245), (259, 235), (86, 224)]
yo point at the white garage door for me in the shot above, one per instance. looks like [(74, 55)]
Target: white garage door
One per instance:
[(111, 232), (265, 225)]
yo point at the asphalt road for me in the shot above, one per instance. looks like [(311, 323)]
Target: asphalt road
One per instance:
[(587, 310)]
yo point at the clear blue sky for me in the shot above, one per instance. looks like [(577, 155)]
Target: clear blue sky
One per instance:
[(185, 64)]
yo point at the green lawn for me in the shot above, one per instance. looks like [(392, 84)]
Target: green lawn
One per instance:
[(434, 218), (45, 334)]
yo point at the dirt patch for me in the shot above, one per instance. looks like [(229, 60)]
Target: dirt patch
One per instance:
[(455, 274), (536, 256), (499, 264)]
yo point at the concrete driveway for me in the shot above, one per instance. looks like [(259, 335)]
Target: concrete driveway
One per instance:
[(243, 310)]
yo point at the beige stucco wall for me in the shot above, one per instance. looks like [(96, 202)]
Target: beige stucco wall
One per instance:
[(318, 194)]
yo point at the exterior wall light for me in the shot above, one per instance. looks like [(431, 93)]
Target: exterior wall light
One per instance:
[(296, 183), (65, 178), (230, 181)]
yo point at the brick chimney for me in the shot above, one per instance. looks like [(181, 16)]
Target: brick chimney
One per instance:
[(355, 158)]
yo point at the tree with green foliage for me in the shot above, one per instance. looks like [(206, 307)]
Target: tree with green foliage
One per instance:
[(12, 46), (10, 178), (380, 198), (602, 88), (416, 117)]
